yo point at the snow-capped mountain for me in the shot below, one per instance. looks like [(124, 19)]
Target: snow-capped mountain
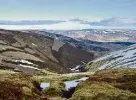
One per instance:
[(125, 58), (101, 35)]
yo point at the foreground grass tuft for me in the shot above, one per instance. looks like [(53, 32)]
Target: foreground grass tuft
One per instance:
[(18, 87)]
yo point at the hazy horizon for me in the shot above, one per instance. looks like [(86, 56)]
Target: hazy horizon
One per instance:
[(71, 14)]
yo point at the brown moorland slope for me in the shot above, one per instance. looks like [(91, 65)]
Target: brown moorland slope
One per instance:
[(30, 52), (112, 84)]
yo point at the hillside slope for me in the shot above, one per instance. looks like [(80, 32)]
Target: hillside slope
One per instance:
[(113, 84), (30, 52), (125, 58)]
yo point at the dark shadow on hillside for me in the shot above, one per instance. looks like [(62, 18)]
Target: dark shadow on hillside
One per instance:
[(68, 94)]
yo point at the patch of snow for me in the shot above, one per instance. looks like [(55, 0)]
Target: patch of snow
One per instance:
[(24, 62), (34, 44), (103, 67), (74, 83), (83, 79), (26, 66), (83, 62), (76, 69), (105, 32), (45, 85)]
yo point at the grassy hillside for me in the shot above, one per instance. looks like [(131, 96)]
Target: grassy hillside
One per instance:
[(115, 84)]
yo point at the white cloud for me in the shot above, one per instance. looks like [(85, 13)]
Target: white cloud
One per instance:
[(116, 21), (73, 24), (68, 25)]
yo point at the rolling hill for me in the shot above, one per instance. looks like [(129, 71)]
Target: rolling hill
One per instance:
[(99, 48), (30, 52), (125, 58)]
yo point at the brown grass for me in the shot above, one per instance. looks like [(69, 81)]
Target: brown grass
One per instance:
[(115, 84), (18, 87)]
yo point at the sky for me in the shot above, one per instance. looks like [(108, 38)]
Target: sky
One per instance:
[(72, 14), (66, 9)]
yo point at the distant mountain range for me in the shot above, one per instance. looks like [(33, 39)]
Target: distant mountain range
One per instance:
[(101, 35), (82, 43)]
